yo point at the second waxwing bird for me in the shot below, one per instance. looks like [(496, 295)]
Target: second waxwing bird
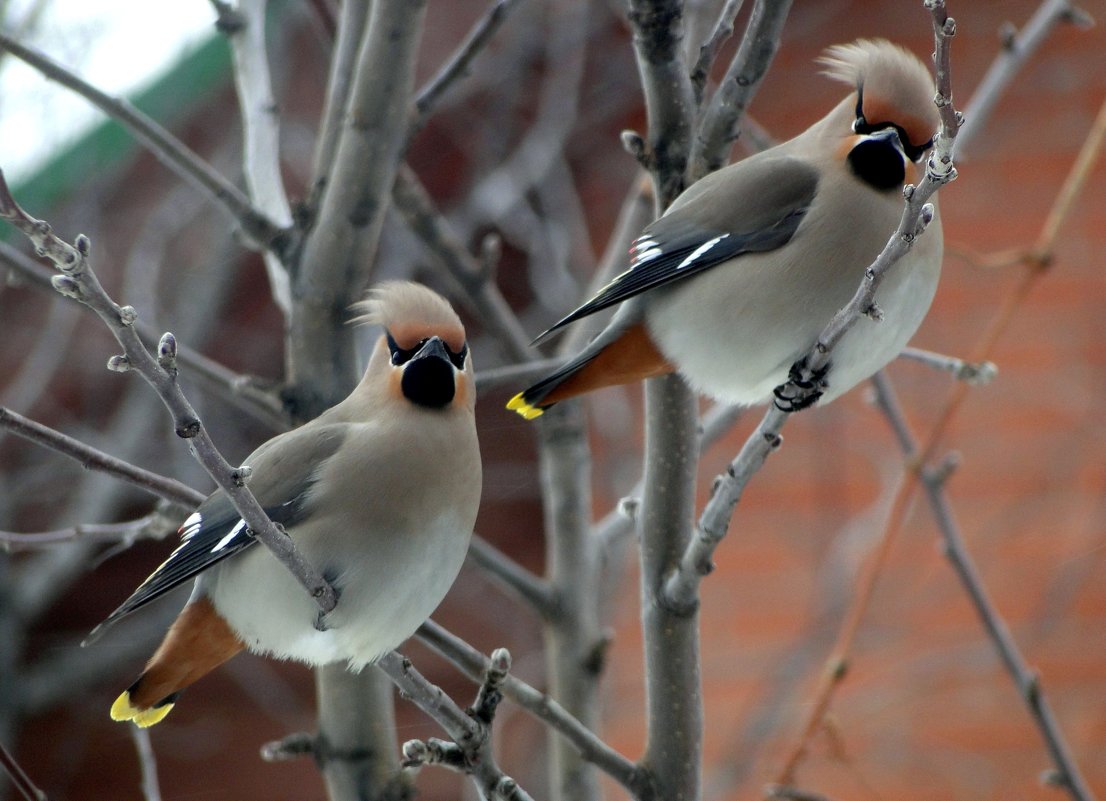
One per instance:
[(733, 285), (379, 493)]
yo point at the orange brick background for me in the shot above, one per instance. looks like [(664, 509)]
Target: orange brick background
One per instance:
[(926, 711)]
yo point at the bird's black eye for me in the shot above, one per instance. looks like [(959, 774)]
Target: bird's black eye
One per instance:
[(401, 355), (458, 358), (404, 355)]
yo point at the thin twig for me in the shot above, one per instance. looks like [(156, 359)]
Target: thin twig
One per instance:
[(260, 133), (457, 65), (469, 752), (240, 390), (723, 30), (151, 791), (722, 117), (93, 459), (1028, 682), (77, 280), (473, 664), (19, 778), (1017, 48), (413, 202), (155, 526), (167, 148), (975, 373), (531, 588), (351, 30)]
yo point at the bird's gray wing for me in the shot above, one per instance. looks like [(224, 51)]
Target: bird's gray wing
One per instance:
[(753, 206), (284, 470)]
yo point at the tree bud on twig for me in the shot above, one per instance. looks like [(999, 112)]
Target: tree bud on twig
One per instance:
[(415, 753), (167, 352), (66, 286), (119, 364), (128, 315)]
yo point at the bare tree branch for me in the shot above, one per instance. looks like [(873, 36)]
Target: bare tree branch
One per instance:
[(457, 66), (351, 30), (575, 644), (1017, 48), (674, 703), (976, 373), (93, 459), (532, 589), (723, 30), (669, 98), (77, 280), (473, 664), (719, 127), (1028, 682), (151, 791), (169, 150), (415, 205), (339, 249), (20, 780), (240, 390), (261, 134), (470, 750), (156, 525), (356, 747)]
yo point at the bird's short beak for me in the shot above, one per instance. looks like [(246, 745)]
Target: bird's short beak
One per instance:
[(433, 347), (889, 135)]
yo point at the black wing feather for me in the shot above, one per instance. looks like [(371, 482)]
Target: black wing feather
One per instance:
[(206, 539), (662, 259)]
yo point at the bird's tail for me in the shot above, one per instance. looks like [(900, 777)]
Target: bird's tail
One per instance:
[(617, 356), (198, 642), (534, 400)]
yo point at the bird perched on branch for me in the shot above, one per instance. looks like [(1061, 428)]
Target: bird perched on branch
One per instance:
[(379, 493), (734, 284)]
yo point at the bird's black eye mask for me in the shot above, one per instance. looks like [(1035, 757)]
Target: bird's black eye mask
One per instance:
[(404, 355), (862, 126)]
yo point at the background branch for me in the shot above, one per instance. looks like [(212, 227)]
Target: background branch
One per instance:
[(93, 459), (722, 116), (168, 149), (261, 134), (77, 280), (1028, 682)]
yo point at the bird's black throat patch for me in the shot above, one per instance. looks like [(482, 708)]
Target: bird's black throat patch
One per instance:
[(429, 382), (878, 163)]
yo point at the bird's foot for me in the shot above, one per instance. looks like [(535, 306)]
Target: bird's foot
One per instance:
[(803, 388), (323, 619)]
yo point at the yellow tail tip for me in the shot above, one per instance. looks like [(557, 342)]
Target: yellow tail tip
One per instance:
[(519, 404), (123, 710)]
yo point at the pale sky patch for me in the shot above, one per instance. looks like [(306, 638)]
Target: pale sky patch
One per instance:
[(118, 45)]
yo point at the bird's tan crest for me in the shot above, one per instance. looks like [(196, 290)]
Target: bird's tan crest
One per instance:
[(895, 85), (410, 312)]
